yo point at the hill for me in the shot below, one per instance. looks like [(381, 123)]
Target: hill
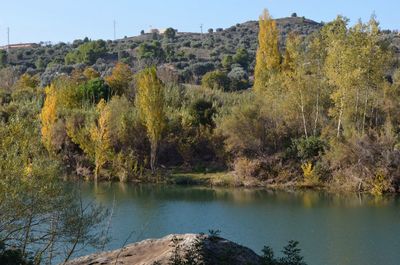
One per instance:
[(186, 56)]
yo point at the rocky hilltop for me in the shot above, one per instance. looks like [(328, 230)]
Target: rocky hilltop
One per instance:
[(187, 247)]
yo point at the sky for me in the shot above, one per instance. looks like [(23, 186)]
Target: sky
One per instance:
[(67, 20)]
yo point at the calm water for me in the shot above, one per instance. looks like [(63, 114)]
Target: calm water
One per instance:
[(332, 229)]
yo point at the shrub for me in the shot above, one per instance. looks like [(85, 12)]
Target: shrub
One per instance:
[(247, 168), (239, 79), (12, 256), (241, 57), (380, 184), (216, 80), (291, 255), (202, 112), (309, 174), (308, 148)]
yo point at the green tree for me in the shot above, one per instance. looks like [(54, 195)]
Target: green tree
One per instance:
[(3, 58), (242, 57), (87, 52), (151, 50), (169, 34)]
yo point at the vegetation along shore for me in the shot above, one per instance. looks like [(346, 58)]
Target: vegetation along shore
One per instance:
[(305, 104)]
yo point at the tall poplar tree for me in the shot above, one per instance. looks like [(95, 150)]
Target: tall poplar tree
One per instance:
[(268, 57), (150, 102)]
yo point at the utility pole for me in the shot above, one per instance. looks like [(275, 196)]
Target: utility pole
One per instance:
[(115, 33), (201, 28), (8, 39)]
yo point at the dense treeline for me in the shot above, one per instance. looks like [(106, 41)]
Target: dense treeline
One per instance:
[(323, 111)]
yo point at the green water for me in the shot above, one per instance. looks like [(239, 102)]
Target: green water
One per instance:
[(332, 229)]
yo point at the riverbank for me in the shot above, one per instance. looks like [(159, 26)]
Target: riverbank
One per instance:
[(231, 180)]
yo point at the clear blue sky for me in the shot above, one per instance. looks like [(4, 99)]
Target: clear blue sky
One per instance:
[(51, 20)]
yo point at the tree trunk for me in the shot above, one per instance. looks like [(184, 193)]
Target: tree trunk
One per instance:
[(316, 115), (153, 156), (340, 118), (303, 115), (96, 172)]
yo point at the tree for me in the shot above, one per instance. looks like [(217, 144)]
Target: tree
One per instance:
[(203, 113), (94, 90), (87, 53), (241, 57), (90, 73), (28, 81), (239, 79), (48, 115), (267, 57), (38, 217), (151, 50), (299, 94), (227, 61), (120, 79), (3, 58), (101, 137), (216, 80), (355, 67), (170, 33), (150, 102)]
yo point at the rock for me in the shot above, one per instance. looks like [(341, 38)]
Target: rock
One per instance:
[(211, 249)]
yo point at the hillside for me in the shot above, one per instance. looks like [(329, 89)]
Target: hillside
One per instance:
[(189, 55), (186, 56)]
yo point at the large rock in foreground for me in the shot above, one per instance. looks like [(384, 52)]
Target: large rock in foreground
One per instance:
[(189, 247)]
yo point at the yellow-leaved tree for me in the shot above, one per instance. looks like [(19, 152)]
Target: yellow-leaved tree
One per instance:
[(48, 115), (150, 103), (101, 137), (120, 79), (268, 57)]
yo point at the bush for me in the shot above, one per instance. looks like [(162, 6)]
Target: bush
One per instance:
[(291, 256), (216, 80), (12, 256), (202, 112), (309, 174), (239, 79), (308, 148), (247, 168)]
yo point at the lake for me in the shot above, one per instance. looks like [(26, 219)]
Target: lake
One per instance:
[(333, 229)]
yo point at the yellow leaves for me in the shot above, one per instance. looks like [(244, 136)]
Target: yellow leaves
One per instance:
[(90, 73), (380, 184), (268, 56), (309, 174), (120, 79), (48, 115), (27, 81), (150, 102), (101, 136)]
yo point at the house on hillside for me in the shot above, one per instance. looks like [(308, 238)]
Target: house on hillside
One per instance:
[(19, 46)]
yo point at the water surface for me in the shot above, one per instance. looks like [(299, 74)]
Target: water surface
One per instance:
[(332, 229)]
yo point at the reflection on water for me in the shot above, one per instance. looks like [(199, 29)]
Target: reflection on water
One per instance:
[(332, 228)]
